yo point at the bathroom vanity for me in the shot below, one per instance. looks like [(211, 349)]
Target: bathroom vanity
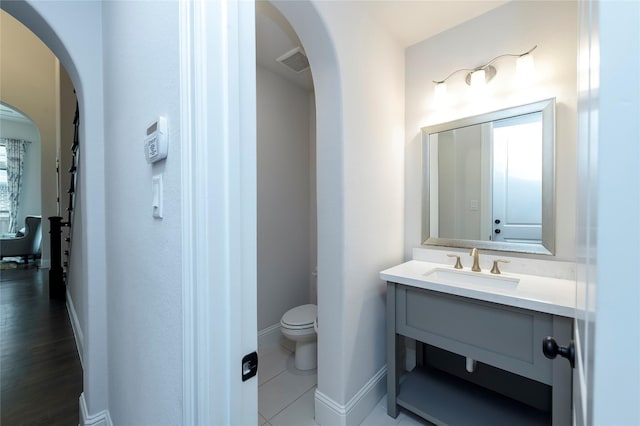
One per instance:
[(494, 326)]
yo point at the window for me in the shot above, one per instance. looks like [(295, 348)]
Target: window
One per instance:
[(4, 191)]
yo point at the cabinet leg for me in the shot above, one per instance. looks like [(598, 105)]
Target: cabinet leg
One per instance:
[(393, 381), (392, 351)]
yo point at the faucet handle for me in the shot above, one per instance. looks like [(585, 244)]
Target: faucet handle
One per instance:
[(495, 269), (458, 264)]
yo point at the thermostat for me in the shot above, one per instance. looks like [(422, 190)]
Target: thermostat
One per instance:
[(156, 144)]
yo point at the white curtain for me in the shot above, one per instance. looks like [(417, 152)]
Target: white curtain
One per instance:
[(16, 149)]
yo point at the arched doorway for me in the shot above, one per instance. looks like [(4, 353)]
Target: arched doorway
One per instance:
[(312, 32), (69, 31), (286, 214)]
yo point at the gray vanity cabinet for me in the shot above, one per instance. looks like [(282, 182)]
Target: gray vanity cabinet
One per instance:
[(499, 336)]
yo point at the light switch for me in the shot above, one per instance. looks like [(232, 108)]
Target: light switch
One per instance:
[(156, 184)]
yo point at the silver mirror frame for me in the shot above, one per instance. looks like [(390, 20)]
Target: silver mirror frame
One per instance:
[(548, 109)]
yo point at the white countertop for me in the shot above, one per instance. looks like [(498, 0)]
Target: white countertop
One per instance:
[(543, 294)]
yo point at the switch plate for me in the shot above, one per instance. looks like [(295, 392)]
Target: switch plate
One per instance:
[(156, 203)]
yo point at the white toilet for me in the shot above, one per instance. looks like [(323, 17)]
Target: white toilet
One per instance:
[(297, 324)]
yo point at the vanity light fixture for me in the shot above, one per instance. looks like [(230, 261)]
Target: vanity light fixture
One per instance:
[(479, 76)]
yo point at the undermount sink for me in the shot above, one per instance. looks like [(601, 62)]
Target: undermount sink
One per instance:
[(471, 279)]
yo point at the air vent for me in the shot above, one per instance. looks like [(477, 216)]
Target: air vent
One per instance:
[(295, 60)]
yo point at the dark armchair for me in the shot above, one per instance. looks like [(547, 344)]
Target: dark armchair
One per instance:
[(27, 245)]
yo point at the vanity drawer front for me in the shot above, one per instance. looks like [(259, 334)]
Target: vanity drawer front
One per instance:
[(505, 337)]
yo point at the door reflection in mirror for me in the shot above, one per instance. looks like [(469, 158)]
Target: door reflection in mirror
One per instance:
[(517, 179)]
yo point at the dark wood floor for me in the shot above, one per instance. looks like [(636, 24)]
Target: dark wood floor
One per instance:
[(40, 372)]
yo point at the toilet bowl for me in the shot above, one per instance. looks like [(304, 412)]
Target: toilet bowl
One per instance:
[(297, 324)]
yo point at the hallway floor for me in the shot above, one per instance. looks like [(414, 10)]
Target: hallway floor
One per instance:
[(41, 375), (40, 372)]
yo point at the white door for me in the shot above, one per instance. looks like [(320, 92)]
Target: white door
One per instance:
[(586, 221), (517, 179), (607, 326)]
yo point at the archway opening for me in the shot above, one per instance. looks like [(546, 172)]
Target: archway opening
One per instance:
[(50, 24), (36, 83), (286, 211)]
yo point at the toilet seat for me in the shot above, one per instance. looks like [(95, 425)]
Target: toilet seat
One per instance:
[(300, 317)]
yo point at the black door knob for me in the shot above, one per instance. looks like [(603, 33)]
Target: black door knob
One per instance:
[(497, 231), (551, 349), (497, 221)]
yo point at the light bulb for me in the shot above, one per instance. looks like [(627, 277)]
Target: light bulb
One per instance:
[(525, 69), (478, 79), (440, 94)]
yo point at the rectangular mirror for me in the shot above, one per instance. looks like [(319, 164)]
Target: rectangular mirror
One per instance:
[(488, 180)]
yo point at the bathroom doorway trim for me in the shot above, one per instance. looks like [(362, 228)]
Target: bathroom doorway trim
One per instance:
[(219, 244)]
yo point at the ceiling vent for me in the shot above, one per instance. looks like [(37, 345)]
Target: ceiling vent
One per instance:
[(295, 60)]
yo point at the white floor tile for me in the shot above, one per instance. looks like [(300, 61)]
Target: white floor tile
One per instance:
[(379, 417), (282, 390), (272, 361), (269, 337), (409, 419), (261, 420), (299, 413)]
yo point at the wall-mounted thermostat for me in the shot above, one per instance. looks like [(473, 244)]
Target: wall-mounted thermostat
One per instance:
[(156, 145)]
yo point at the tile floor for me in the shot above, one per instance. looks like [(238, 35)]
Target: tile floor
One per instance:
[(286, 395)]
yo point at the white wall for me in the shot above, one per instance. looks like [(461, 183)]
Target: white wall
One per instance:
[(284, 175), (358, 75), (144, 294), (30, 200), (372, 77), (460, 178), (512, 28), (313, 203)]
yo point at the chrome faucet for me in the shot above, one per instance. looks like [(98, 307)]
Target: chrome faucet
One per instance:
[(476, 264)]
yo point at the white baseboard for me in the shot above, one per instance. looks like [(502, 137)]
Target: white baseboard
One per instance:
[(269, 336), (99, 419), (77, 330), (272, 335), (329, 412)]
